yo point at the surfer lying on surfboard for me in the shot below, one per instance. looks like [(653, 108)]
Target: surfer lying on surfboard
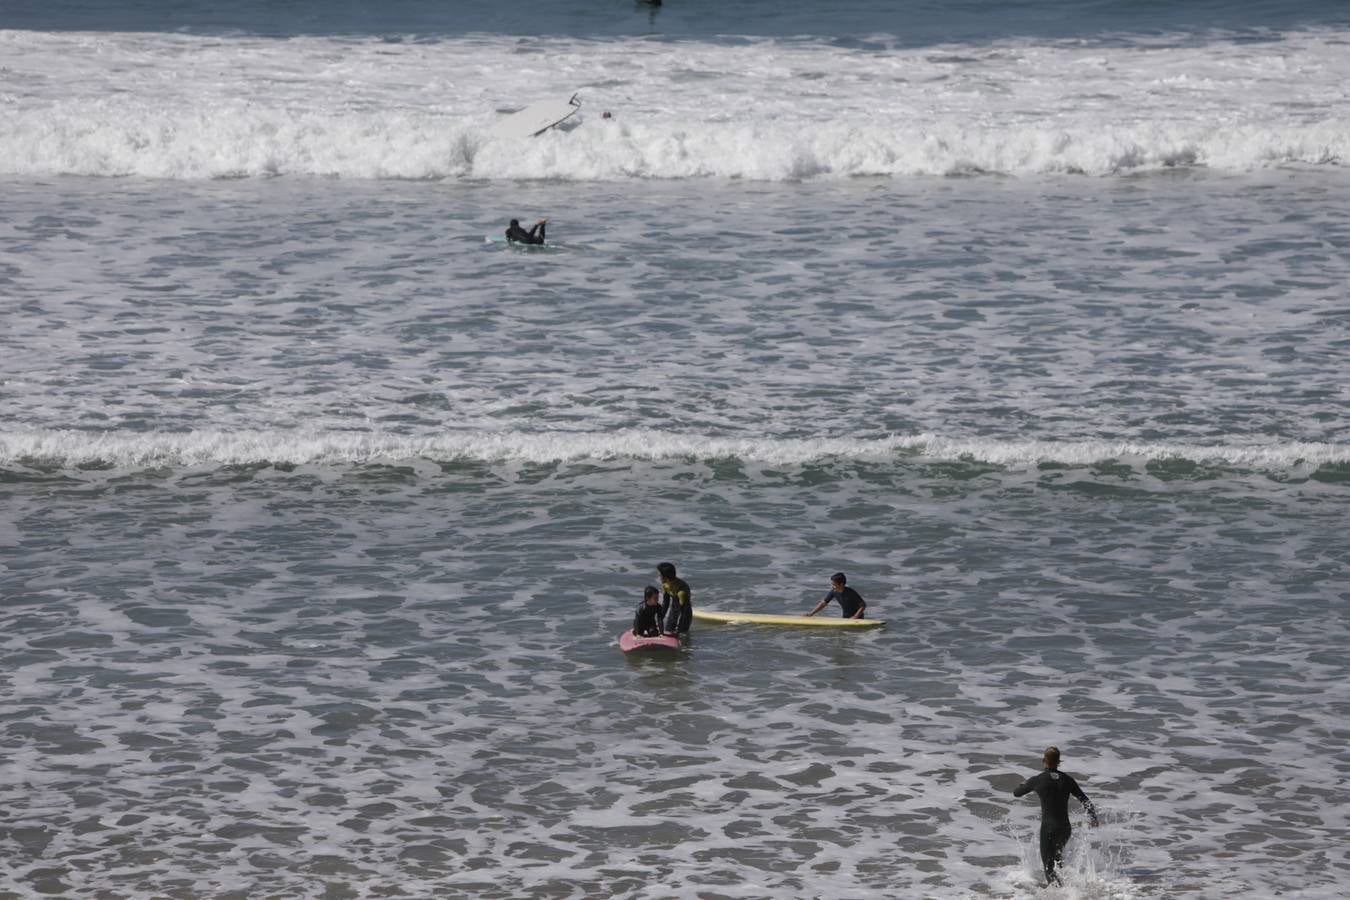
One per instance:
[(514, 233), (851, 603), (647, 622)]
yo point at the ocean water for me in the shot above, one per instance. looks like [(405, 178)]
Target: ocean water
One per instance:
[(320, 514)]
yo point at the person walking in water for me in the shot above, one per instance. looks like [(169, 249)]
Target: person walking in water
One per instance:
[(518, 235), (677, 603), (851, 603), (1054, 788)]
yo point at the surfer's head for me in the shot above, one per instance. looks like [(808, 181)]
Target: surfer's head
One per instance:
[(515, 223), (1051, 758), (838, 579), (666, 570), (651, 596)]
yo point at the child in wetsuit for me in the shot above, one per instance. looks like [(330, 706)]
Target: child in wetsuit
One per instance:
[(647, 622), (851, 603)]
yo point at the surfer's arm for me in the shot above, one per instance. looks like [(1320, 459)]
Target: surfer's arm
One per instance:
[(1023, 789), (1087, 804)]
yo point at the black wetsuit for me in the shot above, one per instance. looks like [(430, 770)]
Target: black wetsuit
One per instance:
[(1054, 788), (849, 600), (677, 606), (647, 622), (520, 236)]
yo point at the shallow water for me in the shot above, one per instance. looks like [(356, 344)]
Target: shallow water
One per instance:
[(320, 515)]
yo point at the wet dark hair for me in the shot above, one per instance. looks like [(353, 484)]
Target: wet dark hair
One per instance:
[(838, 578), (515, 223), (649, 591), (667, 570), (1051, 757)]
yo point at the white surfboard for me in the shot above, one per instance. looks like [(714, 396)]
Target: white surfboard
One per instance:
[(535, 118)]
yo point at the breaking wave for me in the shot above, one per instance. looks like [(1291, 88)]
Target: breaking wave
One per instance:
[(252, 143), (179, 107)]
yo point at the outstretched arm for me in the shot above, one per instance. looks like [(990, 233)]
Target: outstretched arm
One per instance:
[(819, 606)]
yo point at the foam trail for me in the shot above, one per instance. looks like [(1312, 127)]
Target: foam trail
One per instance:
[(215, 448)]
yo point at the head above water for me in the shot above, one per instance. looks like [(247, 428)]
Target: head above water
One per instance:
[(1051, 758), (651, 595), (515, 223), (838, 579), (665, 570)]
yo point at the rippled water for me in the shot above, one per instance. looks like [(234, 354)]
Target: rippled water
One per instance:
[(1082, 451), (358, 679), (1186, 310), (320, 514)]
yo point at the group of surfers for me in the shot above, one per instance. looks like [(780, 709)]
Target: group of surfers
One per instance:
[(670, 609)]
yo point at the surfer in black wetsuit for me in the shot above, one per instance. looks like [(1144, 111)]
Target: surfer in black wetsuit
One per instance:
[(647, 622), (851, 603), (677, 602), (1055, 788), (516, 234)]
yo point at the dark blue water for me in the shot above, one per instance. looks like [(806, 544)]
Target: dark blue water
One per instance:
[(916, 22)]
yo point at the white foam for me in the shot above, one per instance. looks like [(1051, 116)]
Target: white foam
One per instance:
[(192, 108), (123, 450)]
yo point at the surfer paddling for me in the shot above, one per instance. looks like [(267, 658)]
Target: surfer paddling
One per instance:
[(1054, 788), (851, 603), (517, 235)]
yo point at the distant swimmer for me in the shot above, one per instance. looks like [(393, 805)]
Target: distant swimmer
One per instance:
[(677, 602), (851, 603), (1055, 788), (518, 235), (647, 622)]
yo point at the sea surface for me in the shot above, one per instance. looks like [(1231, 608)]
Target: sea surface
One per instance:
[(321, 514)]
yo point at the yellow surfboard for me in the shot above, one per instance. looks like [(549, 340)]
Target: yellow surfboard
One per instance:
[(817, 621)]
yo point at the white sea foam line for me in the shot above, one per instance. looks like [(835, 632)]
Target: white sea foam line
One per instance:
[(255, 143), (250, 106), (205, 448)]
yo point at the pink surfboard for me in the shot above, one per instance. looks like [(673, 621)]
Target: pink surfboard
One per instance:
[(628, 642)]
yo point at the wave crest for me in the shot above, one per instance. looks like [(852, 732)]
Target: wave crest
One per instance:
[(248, 142)]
